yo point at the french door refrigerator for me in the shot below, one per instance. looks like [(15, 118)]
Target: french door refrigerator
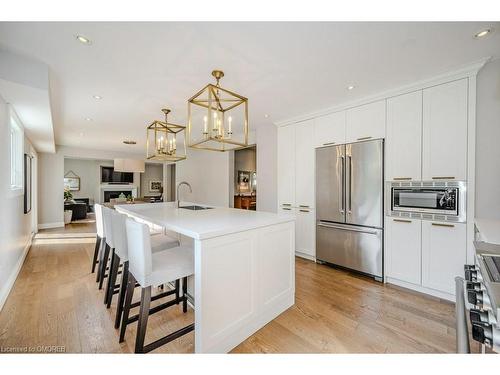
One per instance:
[(349, 206)]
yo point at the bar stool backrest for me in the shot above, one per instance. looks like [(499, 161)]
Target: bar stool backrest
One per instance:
[(139, 251), (108, 232), (118, 226), (98, 220)]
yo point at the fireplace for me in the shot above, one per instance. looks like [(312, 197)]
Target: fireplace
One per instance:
[(108, 195)]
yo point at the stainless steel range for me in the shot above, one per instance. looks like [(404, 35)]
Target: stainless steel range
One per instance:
[(479, 294)]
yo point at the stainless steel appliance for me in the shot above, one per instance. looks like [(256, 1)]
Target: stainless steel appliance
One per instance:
[(481, 290), (432, 200), (349, 206)]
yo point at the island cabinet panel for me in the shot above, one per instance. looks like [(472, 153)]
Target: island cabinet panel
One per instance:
[(242, 281), (304, 164), (305, 234), (404, 249), (443, 254), (404, 137), (329, 129), (286, 166), (365, 122), (445, 111)]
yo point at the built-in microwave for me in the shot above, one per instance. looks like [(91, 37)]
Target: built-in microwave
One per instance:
[(433, 200)]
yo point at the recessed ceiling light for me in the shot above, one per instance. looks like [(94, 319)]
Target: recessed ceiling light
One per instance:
[(129, 142), (266, 115), (84, 40), (482, 33), (98, 97), (351, 87), (88, 119)]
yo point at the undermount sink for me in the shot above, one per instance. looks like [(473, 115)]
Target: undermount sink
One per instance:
[(196, 208)]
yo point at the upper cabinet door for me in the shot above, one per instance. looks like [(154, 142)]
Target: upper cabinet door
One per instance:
[(286, 166), (365, 122), (445, 131), (404, 137), (329, 129), (304, 163)]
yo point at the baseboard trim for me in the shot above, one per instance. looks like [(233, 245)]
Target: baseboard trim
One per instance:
[(421, 289), (305, 256), (5, 291), (58, 224)]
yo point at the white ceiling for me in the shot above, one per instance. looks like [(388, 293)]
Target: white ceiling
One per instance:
[(285, 69)]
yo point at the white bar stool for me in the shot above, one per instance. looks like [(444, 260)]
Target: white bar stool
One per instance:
[(153, 269), (158, 242), (99, 236)]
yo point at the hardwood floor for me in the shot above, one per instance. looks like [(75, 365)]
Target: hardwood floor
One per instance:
[(55, 302)]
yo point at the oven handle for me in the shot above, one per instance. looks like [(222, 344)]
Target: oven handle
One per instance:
[(462, 332)]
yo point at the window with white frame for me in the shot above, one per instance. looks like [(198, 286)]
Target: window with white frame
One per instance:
[(16, 153)]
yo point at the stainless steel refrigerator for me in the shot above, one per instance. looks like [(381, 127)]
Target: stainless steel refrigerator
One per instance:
[(349, 206)]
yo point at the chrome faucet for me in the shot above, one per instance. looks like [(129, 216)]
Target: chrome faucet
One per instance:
[(178, 186)]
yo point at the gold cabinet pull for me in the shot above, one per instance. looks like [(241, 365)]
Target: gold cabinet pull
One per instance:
[(402, 221), (364, 138), (285, 208), (304, 206), (443, 225), (402, 178), (286, 204), (443, 178), (304, 210)]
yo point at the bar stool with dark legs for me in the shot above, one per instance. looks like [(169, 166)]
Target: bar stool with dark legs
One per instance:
[(158, 242), (99, 236), (152, 269)]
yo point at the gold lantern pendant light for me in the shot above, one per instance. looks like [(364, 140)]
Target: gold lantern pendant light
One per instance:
[(217, 118), (165, 141)]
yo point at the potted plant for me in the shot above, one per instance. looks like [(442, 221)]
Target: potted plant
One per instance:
[(68, 198)]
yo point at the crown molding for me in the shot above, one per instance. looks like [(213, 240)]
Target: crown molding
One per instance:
[(469, 70)]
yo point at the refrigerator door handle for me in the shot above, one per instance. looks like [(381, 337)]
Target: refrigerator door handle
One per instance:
[(349, 229), (341, 185), (350, 184)]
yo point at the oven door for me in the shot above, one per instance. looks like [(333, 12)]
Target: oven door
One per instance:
[(430, 200)]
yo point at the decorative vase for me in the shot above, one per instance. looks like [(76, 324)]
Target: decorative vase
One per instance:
[(68, 214)]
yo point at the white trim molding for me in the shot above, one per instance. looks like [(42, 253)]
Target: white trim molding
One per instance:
[(469, 70), (58, 224), (7, 287)]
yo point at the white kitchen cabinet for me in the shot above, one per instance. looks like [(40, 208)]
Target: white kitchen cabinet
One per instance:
[(445, 131), (329, 129), (365, 122), (305, 232), (443, 254), (304, 164), (404, 137), (404, 249), (286, 165)]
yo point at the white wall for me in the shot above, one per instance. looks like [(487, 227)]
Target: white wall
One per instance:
[(50, 190), (208, 174), (151, 172), (267, 184), (15, 226), (487, 141)]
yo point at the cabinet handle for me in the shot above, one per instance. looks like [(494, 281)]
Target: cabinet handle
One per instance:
[(304, 206), (329, 143), (304, 210), (284, 208), (402, 221), (402, 178), (443, 178), (363, 138), (286, 204), (443, 225)]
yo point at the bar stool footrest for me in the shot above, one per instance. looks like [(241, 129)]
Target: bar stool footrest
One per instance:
[(170, 337)]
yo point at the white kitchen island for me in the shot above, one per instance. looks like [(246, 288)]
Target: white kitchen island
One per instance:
[(244, 267)]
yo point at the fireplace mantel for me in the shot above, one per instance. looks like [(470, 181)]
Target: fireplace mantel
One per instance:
[(117, 187)]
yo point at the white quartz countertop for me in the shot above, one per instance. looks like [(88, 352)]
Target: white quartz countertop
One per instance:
[(489, 230), (202, 224)]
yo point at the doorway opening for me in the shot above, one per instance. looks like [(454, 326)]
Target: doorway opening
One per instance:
[(245, 178)]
